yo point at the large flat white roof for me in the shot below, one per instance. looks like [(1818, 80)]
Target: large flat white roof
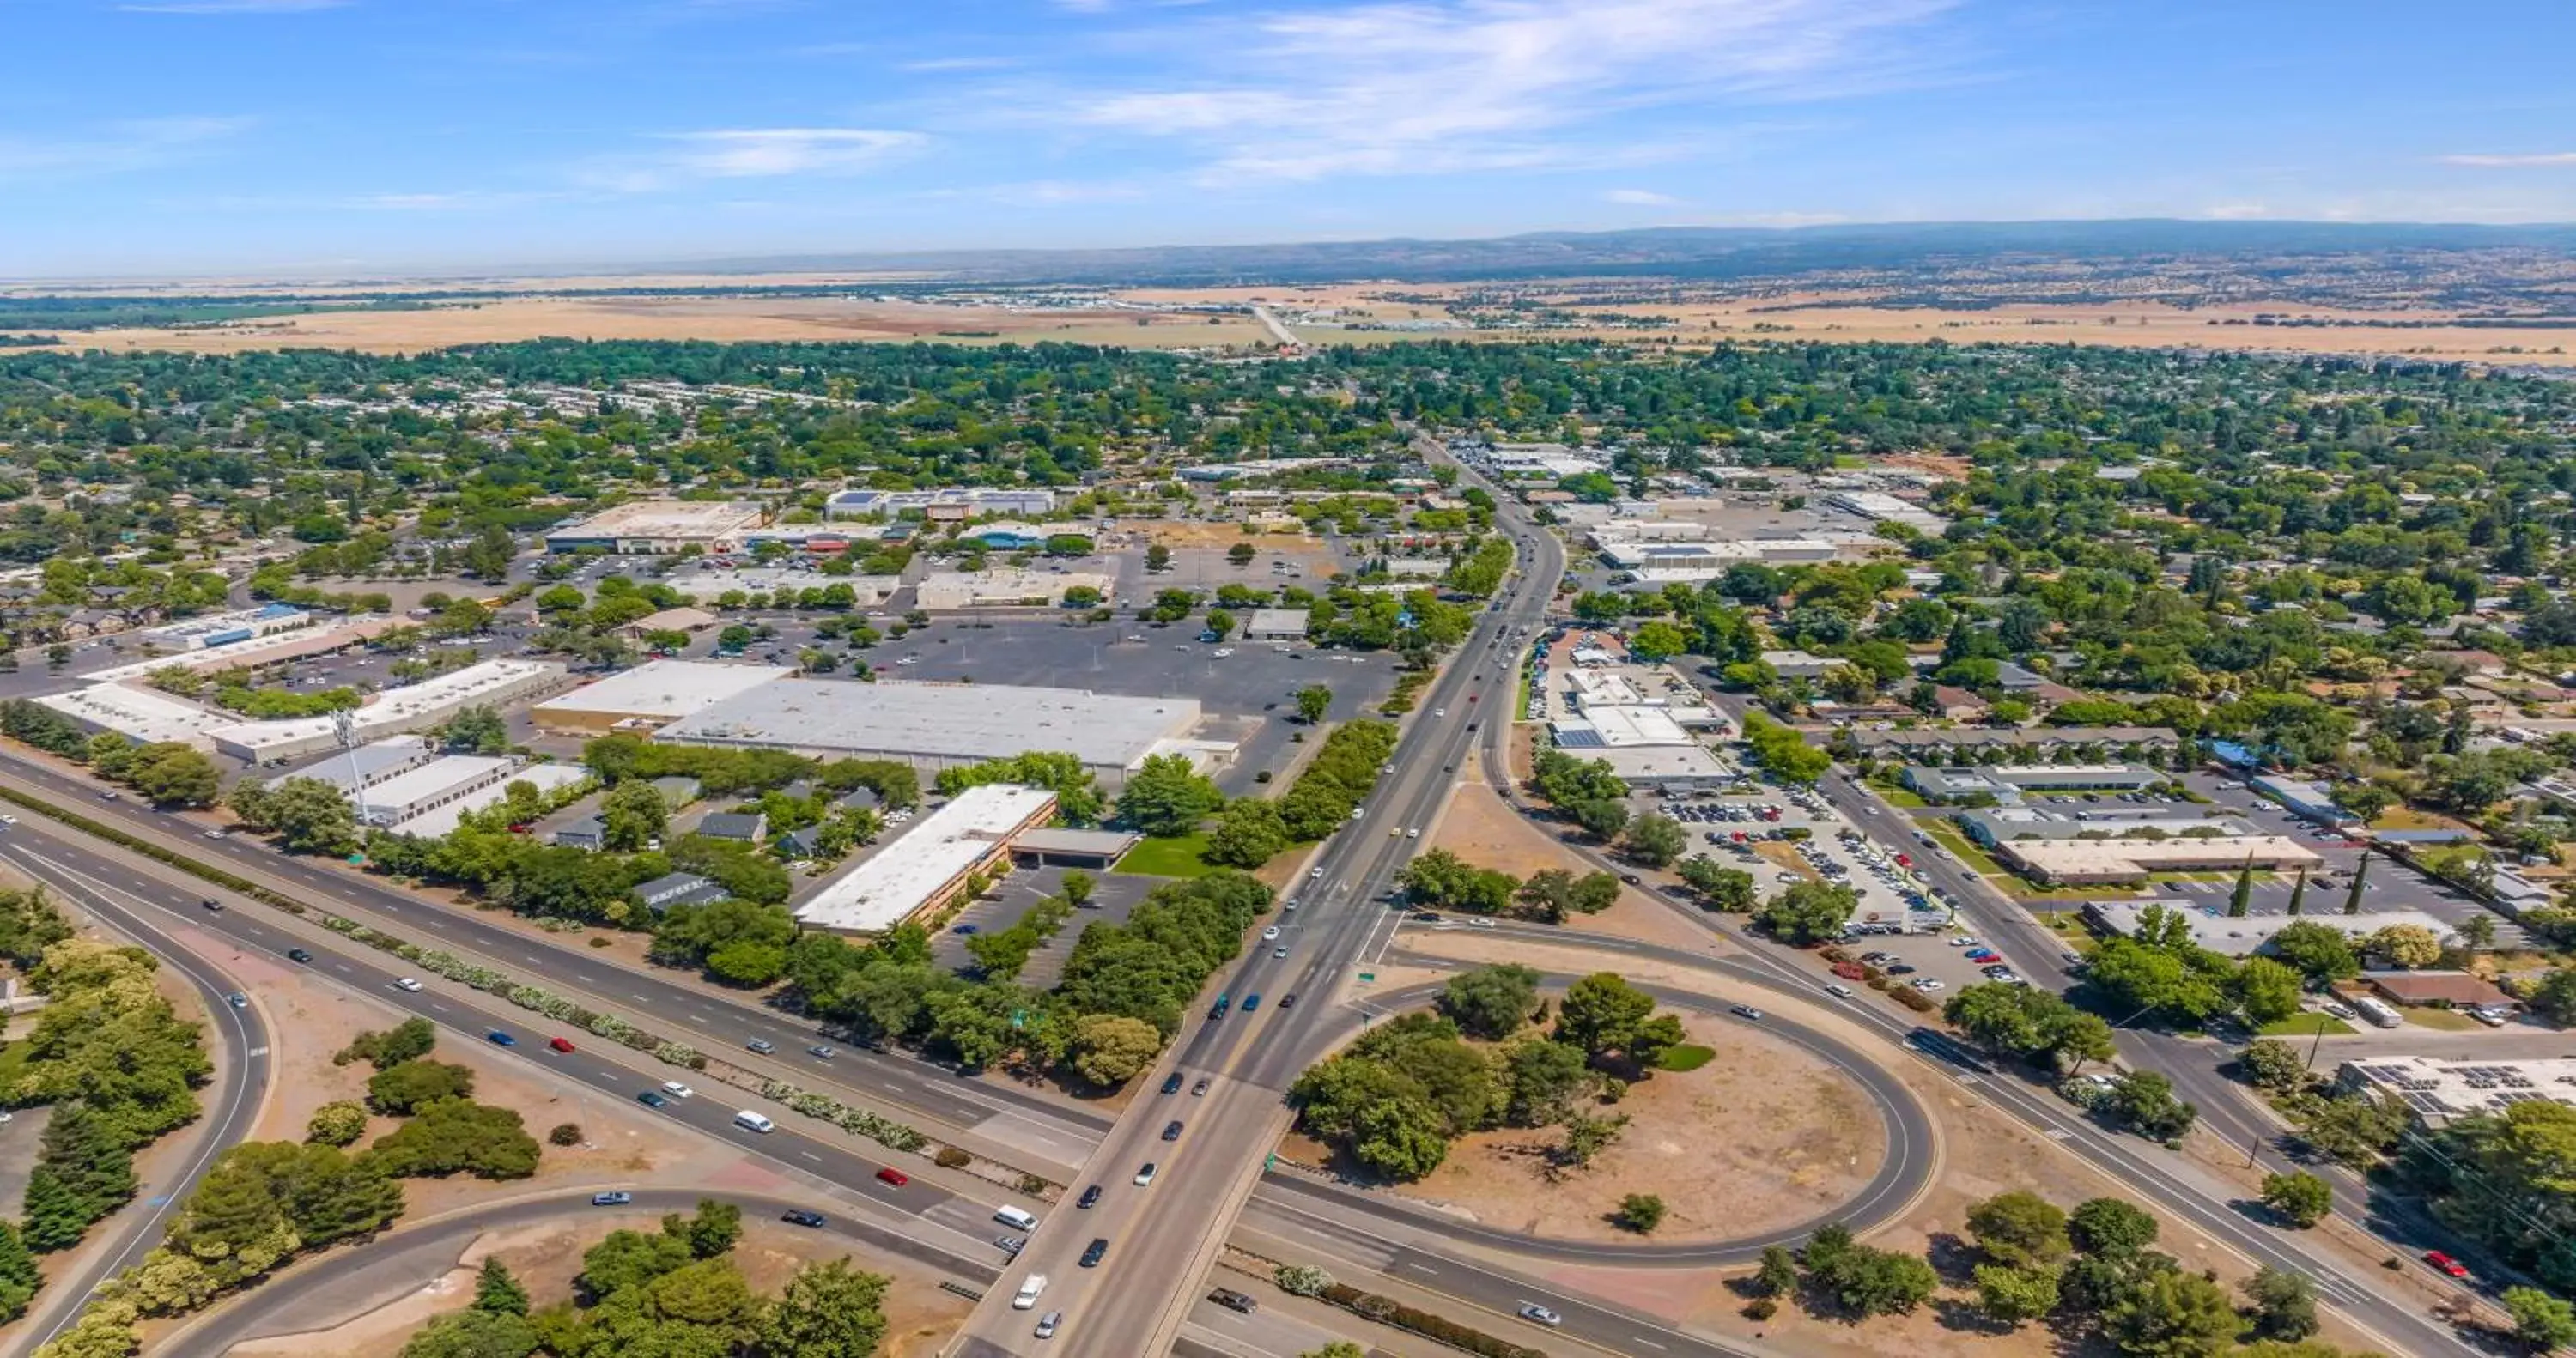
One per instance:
[(664, 688), (957, 722), (886, 888), (665, 519), (397, 707), (439, 820), (430, 779), (139, 714)]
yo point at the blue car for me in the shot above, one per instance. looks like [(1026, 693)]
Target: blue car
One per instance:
[(500, 1039), (1251, 1002)]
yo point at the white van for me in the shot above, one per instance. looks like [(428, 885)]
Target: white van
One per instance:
[(1029, 1291), (1016, 1219), (754, 1121)]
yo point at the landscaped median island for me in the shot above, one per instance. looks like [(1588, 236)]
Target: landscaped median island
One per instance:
[(1616, 1120)]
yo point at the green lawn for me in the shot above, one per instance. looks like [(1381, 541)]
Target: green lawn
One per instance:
[(13, 1062), (1686, 1056), (2306, 1025), (1897, 796), (1166, 856), (2442, 1020)]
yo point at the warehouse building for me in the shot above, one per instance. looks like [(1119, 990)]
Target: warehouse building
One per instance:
[(2007, 782), (663, 527), (143, 715), (1007, 587), (2306, 800), (369, 764), (926, 867), (227, 629), (2437, 1090), (2246, 935), (2111, 861), (651, 694), (1276, 624), (275, 648), (1994, 825), (977, 501), (713, 583), (1667, 768), (934, 726), (430, 822), (430, 786), (414, 707)]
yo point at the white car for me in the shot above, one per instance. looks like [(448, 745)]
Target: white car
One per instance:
[(1223, 651), (1270, 934), (1440, 711), (1540, 1315), (1415, 833), (1145, 1176), (409, 984), (678, 1090), (1928, 984)]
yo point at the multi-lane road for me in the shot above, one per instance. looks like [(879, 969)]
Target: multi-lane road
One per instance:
[(1209, 1149)]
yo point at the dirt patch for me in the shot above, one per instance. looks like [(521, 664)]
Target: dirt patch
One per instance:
[(547, 1257), (1482, 828), (1760, 1137)]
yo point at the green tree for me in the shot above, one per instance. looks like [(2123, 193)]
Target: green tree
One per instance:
[(2172, 1315), (337, 1123), (2360, 874), (406, 1041), (2285, 1304), (19, 1278), (2270, 1063), (2321, 952), (2540, 1321), (2242, 897), (1602, 1014), (172, 774), (1778, 1276), (828, 1310), (83, 1171), (1403, 1139), (498, 1292), (307, 815), (1656, 840), (402, 1089), (1247, 834), (1641, 1212), (1542, 1080), (2266, 990), (1808, 913), (477, 729), (2110, 1227), (458, 1135), (1720, 887), (1657, 642), (2302, 1199), (1111, 1049), (473, 1334), (633, 815), (2144, 1100), (1077, 887), (2013, 1295), (2020, 1230), (1167, 795), (1313, 701), (1491, 1002)]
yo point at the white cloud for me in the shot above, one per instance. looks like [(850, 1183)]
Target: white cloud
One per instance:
[(1639, 198), (2514, 162), (1433, 85), (2236, 212), (746, 153), (136, 144), (962, 64)]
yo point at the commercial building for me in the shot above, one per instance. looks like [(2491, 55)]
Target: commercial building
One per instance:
[(713, 583), (1669, 768), (1941, 745), (2437, 1090), (1062, 848), (2246, 935), (369, 764), (925, 868), (143, 715), (933, 726), (1798, 664), (1609, 727), (414, 707), (430, 786), (1880, 507), (1275, 624), (2006, 782), (227, 629), (2436, 989), (434, 821), (662, 527), (1995, 825), (1007, 587), (275, 648), (976, 500), (1710, 558), (678, 888), (2306, 800), (670, 620), (2089, 862), (651, 694)]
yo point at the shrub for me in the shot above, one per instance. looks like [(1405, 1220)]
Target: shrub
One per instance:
[(565, 1134), (949, 1157), (1761, 1308), (1302, 1280), (336, 1124)]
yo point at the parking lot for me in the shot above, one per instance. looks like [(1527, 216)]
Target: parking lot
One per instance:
[(1112, 896)]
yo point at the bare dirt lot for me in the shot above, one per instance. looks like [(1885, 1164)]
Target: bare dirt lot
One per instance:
[(546, 1258), (1482, 828), (1762, 1136)]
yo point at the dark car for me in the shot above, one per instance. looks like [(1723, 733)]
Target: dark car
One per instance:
[(1094, 1252), (1172, 1083), (611, 1199), (1287, 1001), (1200, 1088), (298, 955), (1089, 1196), (1251, 1002), (965, 929), (211, 903), (1234, 1301), (653, 1098), (798, 1216), (1172, 1130)]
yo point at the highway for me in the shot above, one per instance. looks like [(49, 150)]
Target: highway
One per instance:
[(231, 1102), (719, 1024), (316, 1296), (1209, 1150)]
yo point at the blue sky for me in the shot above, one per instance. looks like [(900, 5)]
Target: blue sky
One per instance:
[(330, 136)]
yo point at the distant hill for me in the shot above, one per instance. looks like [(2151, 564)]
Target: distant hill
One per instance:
[(1689, 252)]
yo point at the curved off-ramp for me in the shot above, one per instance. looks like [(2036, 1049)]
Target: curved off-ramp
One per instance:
[(1904, 1174)]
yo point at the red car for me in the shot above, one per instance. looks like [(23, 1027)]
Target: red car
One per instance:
[(2446, 1263), (893, 1176), (561, 1044)]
